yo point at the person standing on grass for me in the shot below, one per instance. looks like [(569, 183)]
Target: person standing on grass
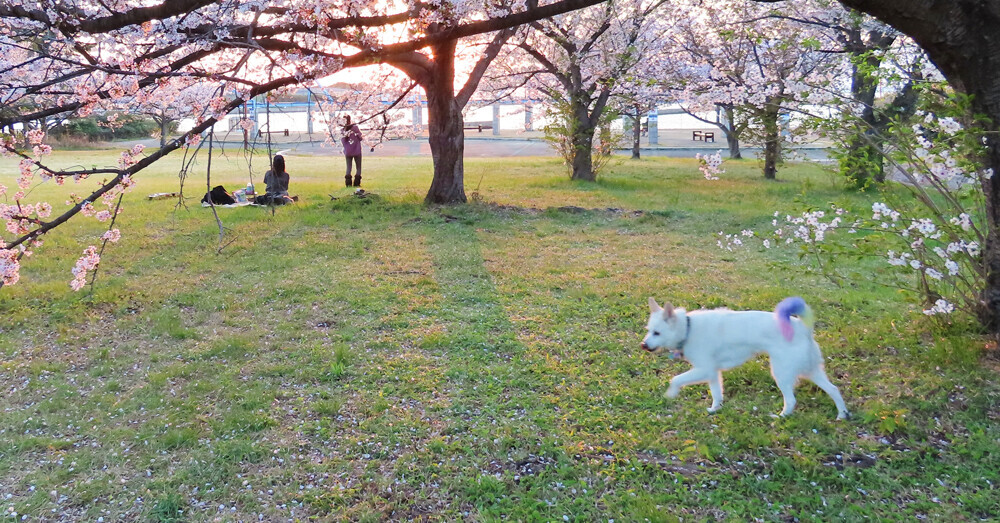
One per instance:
[(352, 150)]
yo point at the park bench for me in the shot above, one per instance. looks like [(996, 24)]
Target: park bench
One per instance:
[(703, 136), (478, 125), (262, 133)]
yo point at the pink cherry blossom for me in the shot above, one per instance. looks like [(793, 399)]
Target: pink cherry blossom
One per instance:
[(710, 164), (43, 210), (85, 263), (112, 236)]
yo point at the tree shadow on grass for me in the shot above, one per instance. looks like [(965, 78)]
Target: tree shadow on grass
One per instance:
[(474, 317)]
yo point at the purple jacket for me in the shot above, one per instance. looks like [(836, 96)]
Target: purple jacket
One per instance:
[(352, 141)]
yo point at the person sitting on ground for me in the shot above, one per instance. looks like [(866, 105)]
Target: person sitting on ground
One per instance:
[(276, 181)]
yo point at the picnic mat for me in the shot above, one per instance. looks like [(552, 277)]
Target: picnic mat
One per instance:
[(237, 204)]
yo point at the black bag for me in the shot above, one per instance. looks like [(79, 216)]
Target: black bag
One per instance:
[(219, 195)]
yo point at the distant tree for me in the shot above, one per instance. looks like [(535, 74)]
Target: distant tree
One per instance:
[(581, 61), (173, 102), (635, 107), (754, 68), (885, 68)]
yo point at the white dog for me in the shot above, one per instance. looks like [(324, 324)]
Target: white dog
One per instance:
[(717, 340)]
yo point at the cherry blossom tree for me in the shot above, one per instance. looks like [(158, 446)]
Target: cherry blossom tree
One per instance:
[(78, 56), (885, 69), (639, 96), (959, 38), (580, 60), (435, 73), (173, 102), (743, 60), (701, 87), (647, 85)]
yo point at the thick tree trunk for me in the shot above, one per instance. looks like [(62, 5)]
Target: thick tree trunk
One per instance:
[(445, 122), (734, 144), (772, 140), (582, 141), (445, 125), (990, 313), (583, 154), (446, 129)]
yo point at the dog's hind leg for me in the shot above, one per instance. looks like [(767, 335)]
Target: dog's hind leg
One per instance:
[(819, 378), (786, 383), (715, 386)]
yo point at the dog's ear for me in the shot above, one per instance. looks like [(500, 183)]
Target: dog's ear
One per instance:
[(668, 311), (653, 306)]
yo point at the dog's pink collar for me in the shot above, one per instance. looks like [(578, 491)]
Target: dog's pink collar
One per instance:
[(678, 351)]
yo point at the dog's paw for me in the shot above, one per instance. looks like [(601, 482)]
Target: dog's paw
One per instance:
[(713, 410), (671, 393), (843, 415)]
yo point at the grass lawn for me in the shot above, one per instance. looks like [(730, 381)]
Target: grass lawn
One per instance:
[(375, 359)]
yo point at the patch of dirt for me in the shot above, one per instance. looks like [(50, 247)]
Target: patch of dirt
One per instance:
[(529, 466), (614, 211), (841, 461), (686, 469)]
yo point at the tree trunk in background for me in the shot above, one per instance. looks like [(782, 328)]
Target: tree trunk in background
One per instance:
[(164, 129), (863, 162), (636, 133), (772, 139), (734, 144), (583, 151), (728, 125), (732, 137)]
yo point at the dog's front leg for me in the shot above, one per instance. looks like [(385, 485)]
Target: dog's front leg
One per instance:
[(687, 378), (715, 387)]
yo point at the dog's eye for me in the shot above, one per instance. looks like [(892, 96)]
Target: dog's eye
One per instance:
[(656, 333)]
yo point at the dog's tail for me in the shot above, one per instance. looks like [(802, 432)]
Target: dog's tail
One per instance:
[(789, 307)]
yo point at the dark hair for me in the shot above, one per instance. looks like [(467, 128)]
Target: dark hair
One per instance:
[(278, 164), (347, 125)]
